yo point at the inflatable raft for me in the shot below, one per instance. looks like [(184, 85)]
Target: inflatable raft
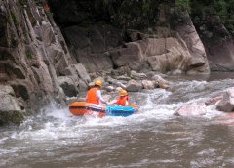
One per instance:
[(83, 108)]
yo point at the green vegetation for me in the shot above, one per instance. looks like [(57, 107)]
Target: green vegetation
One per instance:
[(141, 13), (29, 55), (15, 19), (183, 5), (128, 13), (203, 9), (23, 2)]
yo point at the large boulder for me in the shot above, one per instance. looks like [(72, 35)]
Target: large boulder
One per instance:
[(175, 56), (190, 39), (133, 86)]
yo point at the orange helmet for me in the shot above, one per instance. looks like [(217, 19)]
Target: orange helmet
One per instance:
[(98, 82), (123, 92)]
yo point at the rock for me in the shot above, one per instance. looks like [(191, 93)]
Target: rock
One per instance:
[(191, 109), (82, 72), (226, 104), (82, 85), (10, 108), (138, 76), (198, 62), (174, 57), (164, 84), (69, 86), (123, 56), (120, 84), (110, 80), (214, 100), (89, 45), (123, 77), (133, 86), (176, 72), (147, 84), (109, 88), (8, 101)]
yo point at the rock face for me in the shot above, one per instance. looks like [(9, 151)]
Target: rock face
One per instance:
[(33, 55), (191, 39), (218, 41), (170, 54), (221, 55)]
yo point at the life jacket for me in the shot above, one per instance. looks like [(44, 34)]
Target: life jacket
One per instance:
[(122, 100), (92, 96)]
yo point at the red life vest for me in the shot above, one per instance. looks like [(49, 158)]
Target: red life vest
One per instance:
[(92, 96), (122, 100)]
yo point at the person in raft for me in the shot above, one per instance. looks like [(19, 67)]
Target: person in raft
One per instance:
[(123, 99), (94, 94)]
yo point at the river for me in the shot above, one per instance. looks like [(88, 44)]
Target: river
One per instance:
[(154, 137)]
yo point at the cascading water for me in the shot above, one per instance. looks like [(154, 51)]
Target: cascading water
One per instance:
[(154, 137)]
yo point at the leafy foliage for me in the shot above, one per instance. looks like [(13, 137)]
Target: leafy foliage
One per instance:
[(183, 4), (222, 8)]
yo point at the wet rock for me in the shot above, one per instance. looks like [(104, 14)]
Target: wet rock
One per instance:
[(110, 80), (120, 84), (8, 99), (10, 108), (226, 104), (176, 72), (69, 85), (134, 86), (109, 88), (214, 100), (191, 109), (147, 84), (162, 83), (123, 77), (138, 76)]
